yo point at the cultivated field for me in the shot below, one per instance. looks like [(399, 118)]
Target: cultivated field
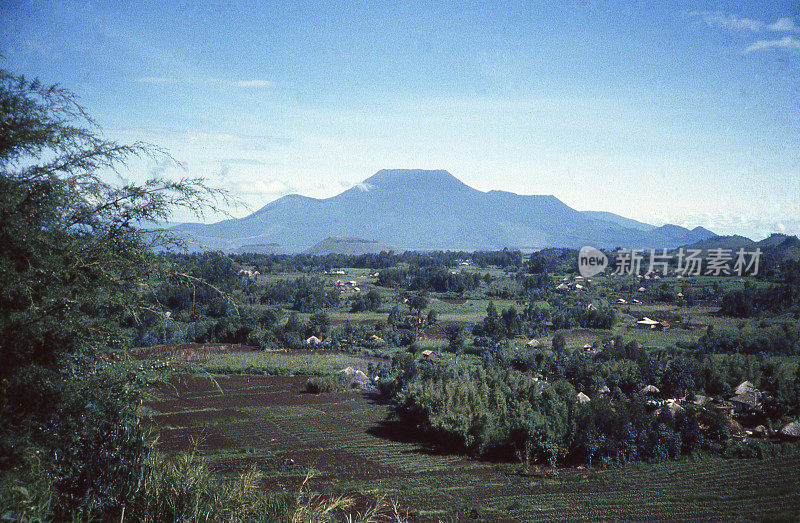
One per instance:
[(239, 420)]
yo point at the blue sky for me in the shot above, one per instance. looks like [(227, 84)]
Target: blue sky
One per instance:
[(676, 112)]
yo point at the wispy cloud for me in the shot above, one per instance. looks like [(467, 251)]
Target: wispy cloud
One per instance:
[(740, 24), (159, 80), (785, 25), (729, 21), (787, 42), (245, 84), (260, 187)]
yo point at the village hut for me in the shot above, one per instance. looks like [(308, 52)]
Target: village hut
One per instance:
[(356, 376), (650, 389), (376, 341), (313, 340), (790, 431), (533, 343), (746, 402), (744, 387), (647, 323), (428, 354), (583, 398)]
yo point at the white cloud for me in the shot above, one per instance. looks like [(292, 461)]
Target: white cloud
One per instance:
[(784, 25), (731, 22), (245, 84), (158, 80), (787, 42), (262, 187), (248, 83)]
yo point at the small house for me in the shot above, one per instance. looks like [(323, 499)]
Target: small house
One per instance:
[(376, 341), (647, 323), (650, 389), (583, 398), (746, 402), (790, 431), (313, 340), (744, 387)]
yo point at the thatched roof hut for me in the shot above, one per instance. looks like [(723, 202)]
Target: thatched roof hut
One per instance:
[(583, 398), (650, 389), (746, 402), (356, 376), (744, 387), (790, 431), (377, 341), (736, 429)]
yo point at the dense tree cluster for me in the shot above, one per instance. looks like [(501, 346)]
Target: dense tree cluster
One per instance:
[(432, 279), (492, 410), (752, 300)]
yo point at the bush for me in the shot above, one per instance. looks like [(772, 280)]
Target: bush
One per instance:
[(317, 385), (320, 384)]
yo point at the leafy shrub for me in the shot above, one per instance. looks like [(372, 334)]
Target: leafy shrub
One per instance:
[(317, 385)]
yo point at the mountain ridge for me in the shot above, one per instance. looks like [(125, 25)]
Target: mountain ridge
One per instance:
[(417, 209)]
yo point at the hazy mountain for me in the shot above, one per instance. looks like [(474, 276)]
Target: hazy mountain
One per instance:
[(431, 210), (723, 242), (619, 220), (788, 249), (777, 246), (351, 246), (260, 248), (774, 239)]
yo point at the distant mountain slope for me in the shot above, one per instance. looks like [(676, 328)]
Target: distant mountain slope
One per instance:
[(774, 239), (350, 246), (433, 210), (723, 242), (777, 246), (788, 249), (260, 248), (619, 220)]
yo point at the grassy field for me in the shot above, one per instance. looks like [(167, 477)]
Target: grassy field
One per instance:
[(269, 421), (242, 408)]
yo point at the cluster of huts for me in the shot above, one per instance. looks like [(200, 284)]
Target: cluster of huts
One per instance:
[(746, 400), (348, 287), (372, 341), (578, 284)]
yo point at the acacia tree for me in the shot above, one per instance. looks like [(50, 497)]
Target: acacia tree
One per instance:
[(74, 260)]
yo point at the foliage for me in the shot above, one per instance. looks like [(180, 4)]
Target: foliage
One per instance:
[(74, 263)]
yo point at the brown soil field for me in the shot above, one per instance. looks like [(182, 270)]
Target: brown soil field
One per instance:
[(268, 421)]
